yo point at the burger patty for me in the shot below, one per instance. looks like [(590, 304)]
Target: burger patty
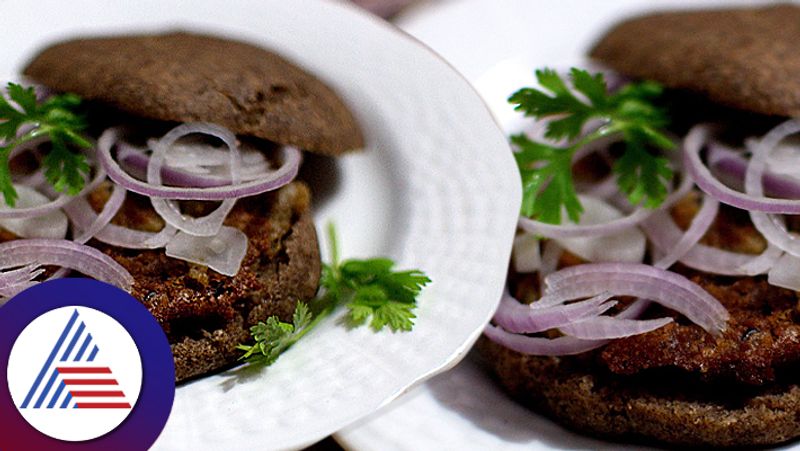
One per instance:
[(677, 384), (206, 314), (761, 337)]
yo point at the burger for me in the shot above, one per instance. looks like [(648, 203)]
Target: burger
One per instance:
[(664, 306), (184, 193)]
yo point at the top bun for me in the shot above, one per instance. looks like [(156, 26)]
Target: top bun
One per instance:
[(744, 58), (187, 77)]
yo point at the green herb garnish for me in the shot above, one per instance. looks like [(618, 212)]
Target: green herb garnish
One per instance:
[(546, 168), (370, 289), (54, 118)]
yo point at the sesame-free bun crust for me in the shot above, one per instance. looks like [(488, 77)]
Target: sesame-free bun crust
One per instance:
[(184, 77), (744, 58)]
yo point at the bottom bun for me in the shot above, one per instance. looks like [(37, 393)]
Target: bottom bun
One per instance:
[(664, 408)]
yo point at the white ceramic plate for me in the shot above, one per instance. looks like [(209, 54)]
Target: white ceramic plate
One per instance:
[(496, 45), (437, 190)]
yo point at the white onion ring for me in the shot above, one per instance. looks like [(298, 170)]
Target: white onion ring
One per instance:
[(57, 203), (597, 230), (663, 233), (692, 145), (280, 177), (634, 279), (608, 327), (771, 226), (83, 216), (210, 224), (700, 225), (65, 253), (110, 209), (521, 318), (541, 345)]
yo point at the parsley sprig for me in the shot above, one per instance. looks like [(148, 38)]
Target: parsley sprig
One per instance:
[(371, 290), (54, 118), (546, 168)]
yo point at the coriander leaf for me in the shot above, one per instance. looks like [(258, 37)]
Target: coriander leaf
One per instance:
[(642, 176), (25, 97), (396, 315), (370, 289), (629, 114), (273, 337), (548, 188), (63, 169), (54, 118), (378, 290)]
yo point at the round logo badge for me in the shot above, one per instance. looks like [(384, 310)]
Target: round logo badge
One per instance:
[(87, 368)]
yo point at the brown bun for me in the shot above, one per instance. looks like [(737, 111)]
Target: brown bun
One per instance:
[(185, 77), (743, 58)]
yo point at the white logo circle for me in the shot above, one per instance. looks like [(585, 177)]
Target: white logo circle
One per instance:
[(74, 373)]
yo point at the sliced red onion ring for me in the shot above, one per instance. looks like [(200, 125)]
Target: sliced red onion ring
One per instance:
[(663, 233), (627, 245), (608, 327), (526, 256), (69, 254), (633, 279), (605, 229), (693, 144), (49, 224), (700, 225), (56, 204), (771, 226), (83, 216), (223, 252), (540, 345), (280, 177), (136, 161), (730, 166), (110, 209), (521, 318), (786, 273), (210, 224), (20, 275), (201, 156), (551, 254)]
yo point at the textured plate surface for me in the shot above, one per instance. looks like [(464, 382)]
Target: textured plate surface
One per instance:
[(496, 45), (437, 190)]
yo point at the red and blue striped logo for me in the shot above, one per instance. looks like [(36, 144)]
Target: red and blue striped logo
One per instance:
[(74, 374)]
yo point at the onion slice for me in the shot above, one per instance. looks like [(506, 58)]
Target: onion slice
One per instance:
[(42, 224), (632, 279), (608, 228), (526, 256), (786, 273), (608, 327), (700, 225), (110, 209), (663, 233), (731, 167), (540, 345), (274, 180), (771, 226), (210, 224), (521, 318), (83, 216), (627, 245), (223, 252), (692, 146), (69, 254), (56, 204)]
